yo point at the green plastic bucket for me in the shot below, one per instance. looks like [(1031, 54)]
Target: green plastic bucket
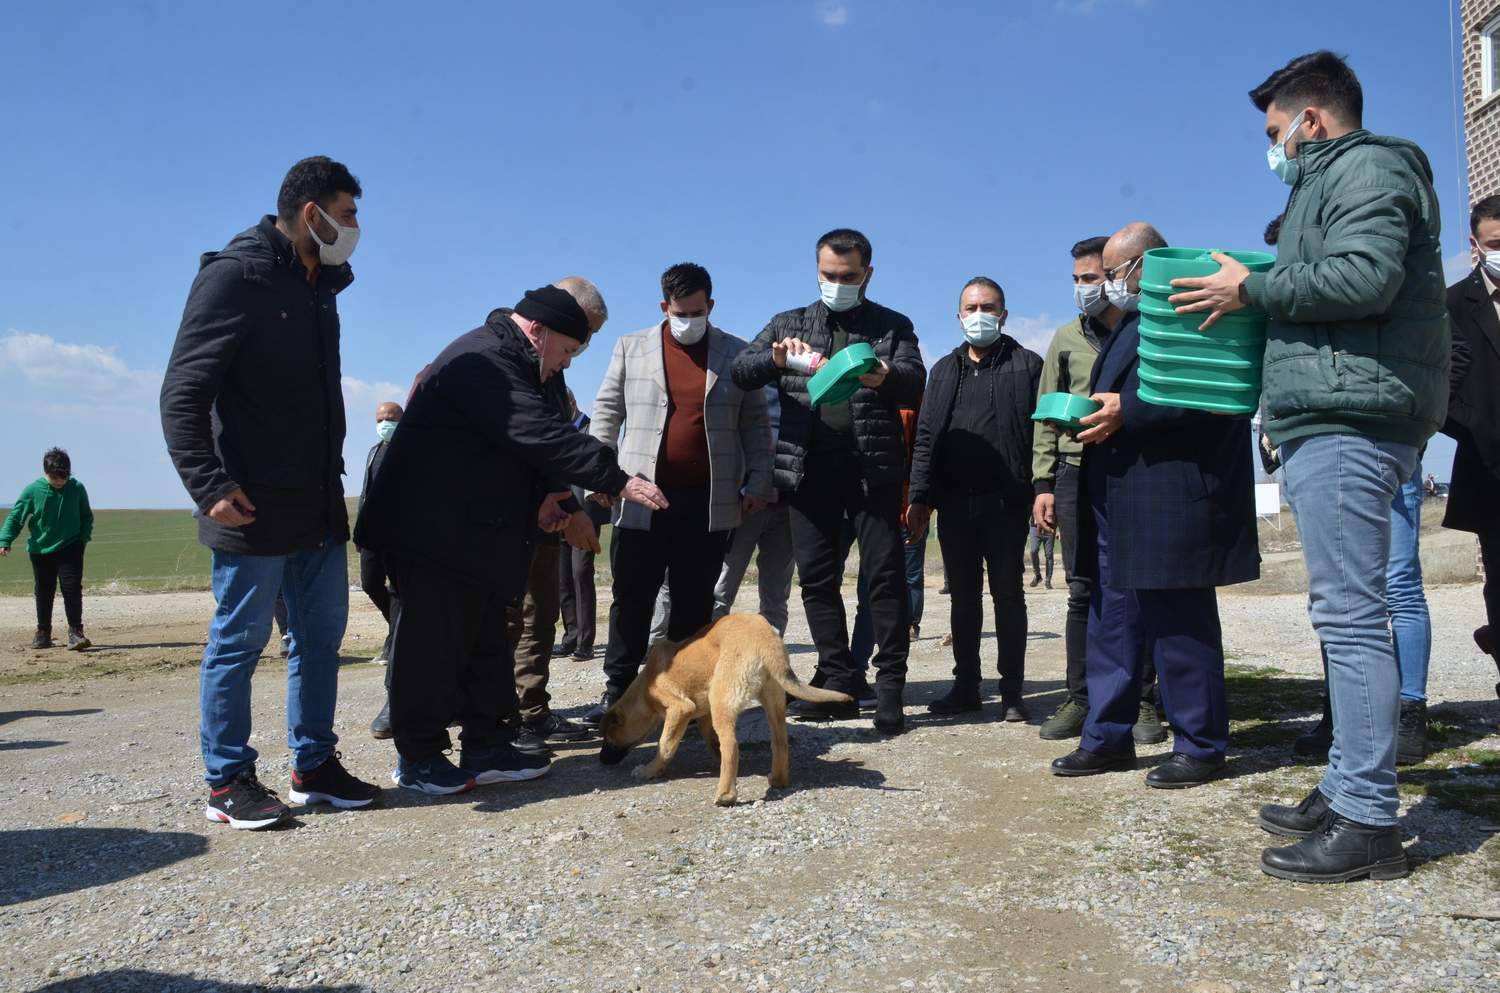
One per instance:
[(1215, 397), (1064, 409), (1162, 265), (838, 377), (1165, 367), (1190, 346)]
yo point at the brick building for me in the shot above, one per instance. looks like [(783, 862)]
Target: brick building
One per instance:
[(1481, 76)]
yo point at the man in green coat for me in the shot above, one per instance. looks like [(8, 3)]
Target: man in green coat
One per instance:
[(1355, 382), (57, 508)]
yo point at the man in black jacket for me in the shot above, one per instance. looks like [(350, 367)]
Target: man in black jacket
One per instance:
[(460, 556), (253, 415), (371, 570), (1474, 408), (973, 462), (845, 459)]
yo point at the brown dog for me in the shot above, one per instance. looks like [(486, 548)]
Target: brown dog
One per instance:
[(712, 678)]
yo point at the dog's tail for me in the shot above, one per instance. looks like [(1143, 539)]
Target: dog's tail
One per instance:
[(779, 667)]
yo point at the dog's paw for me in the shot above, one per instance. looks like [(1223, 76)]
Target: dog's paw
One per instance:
[(726, 800), (780, 782), (645, 772)]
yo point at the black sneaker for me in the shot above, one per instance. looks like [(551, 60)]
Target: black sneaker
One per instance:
[(554, 728), (503, 764), (244, 804), (524, 739), (583, 655), (806, 710), (435, 776), (42, 639), (1014, 710), (1411, 733), (865, 696), (961, 698), (77, 640), (594, 716), (558, 651), (331, 783)]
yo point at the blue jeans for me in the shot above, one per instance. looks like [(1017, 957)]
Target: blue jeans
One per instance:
[(315, 585), (1411, 624), (1341, 488)]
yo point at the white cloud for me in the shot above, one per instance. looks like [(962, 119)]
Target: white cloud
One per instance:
[(86, 376), (832, 14), (1458, 265), (361, 397), (1035, 332)]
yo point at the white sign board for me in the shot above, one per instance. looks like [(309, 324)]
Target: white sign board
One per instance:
[(1267, 499)]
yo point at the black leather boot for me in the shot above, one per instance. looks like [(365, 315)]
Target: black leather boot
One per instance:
[(1081, 762), (963, 698), (1342, 851), (1296, 822), (890, 718)]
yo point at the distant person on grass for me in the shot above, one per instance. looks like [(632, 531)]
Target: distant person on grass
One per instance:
[(253, 413), (57, 509)]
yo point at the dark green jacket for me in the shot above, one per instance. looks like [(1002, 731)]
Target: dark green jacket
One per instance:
[(57, 517), (1358, 335)]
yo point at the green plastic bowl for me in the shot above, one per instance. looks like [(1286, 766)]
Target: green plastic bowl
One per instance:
[(1241, 328), (1175, 391), (838, 377), (1224, 372), (1162, 265), (1202, 351), (1064, 409)]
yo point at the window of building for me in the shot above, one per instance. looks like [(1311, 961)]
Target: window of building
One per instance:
[(1489, 59)]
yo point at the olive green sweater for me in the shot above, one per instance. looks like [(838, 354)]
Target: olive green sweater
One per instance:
[(57, 517), (1066, 369)]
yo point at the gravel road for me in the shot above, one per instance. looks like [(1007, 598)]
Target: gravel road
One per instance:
[(946, 859)]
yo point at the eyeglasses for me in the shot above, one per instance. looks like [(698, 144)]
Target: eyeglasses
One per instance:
[(1128, 265)]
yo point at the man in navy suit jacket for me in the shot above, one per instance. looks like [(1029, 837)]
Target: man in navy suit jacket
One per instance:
[(1171, 516)]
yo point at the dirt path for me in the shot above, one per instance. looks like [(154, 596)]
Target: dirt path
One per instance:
[(947, 859)]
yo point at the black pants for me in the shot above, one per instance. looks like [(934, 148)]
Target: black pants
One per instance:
[(372, 580), (1489, 553), (680, 546), (1040, 544), (579, 599), (451, 659), (833, 489), (979, 534), (1080, 588), (63, 567)]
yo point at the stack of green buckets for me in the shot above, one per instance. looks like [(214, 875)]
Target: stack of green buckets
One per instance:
[(1217, 369)]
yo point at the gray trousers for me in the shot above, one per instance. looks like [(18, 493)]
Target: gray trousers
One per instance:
[(770, 531)]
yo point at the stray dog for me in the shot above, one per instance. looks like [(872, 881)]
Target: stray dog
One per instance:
[(712, 678)]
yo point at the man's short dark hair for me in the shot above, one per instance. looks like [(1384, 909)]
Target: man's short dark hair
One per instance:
[(318, 179), (1487, 209), (684, 279), (56, 463), (842, 241), (1089, 246), (1318, 79), (987, 283)]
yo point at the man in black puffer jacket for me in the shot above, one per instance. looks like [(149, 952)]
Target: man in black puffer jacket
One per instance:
[(972, 459), (843, 459)]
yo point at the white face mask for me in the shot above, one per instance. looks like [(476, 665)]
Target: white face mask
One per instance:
[(981, 329), (338, 252), (688, 330), (840, 296), (1287, 170), (1089, 298), (385, 429), (1119, 293), (1491, 263)]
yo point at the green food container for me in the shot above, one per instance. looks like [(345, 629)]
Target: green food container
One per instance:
[(1220, 399), (838, 377), (1162, 265), (1161, 352), (1064, 409)]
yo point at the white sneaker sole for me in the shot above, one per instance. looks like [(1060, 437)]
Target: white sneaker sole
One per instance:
[(431, 789), (492, 776), (219, 817), (342, 803)]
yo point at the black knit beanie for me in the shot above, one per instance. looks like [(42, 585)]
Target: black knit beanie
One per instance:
[(557, 309)]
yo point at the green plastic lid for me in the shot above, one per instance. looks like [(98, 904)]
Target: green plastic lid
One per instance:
[(838, 377), (1064, 409)]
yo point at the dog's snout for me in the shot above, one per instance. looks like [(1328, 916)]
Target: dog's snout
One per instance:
[(612, 755)]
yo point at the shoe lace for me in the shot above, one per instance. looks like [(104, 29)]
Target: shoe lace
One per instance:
[(252, 783)]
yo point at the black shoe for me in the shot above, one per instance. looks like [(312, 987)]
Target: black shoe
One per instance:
[(583, 655), (1036, 581), (594, 716), (555, 728), (503, 764), (42, 639), (1411, 734), (1342, 851), (890, 716), (1182, 771), (558, 651), (1306, 818), (380, 727), (1065, 722), (943, 590), (915, 633), (331, 783), (963, 698), (1049, 584), (1148, 730), (523, 739), (77, 640), (244, 804), (1081, 762), (806, 710), (864, 695), (1485, 640), (1315, 743), (1014, 710)]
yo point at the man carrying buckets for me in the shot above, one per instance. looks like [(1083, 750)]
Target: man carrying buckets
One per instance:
[(1355, 382), (1170, 515)]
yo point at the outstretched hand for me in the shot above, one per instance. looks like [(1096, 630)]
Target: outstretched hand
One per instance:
[(645, 493)]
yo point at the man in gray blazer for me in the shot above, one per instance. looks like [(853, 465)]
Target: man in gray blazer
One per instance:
[(698, 436)]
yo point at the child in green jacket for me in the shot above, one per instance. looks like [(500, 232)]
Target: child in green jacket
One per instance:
[(57, 508)]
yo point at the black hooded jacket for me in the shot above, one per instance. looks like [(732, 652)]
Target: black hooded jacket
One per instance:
[(251, 398), (480, 444)]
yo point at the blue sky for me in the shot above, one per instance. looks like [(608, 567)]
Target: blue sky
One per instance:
[(504, 145)]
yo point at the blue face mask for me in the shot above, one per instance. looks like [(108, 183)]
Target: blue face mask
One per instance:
[(385, 429), (1287, 170), (981, 329)]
